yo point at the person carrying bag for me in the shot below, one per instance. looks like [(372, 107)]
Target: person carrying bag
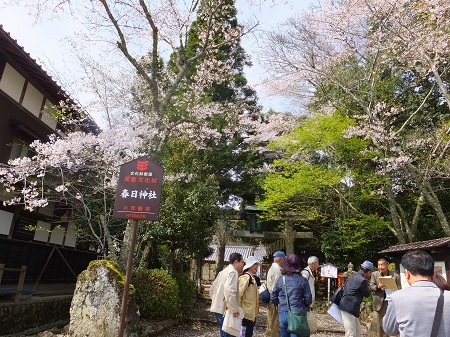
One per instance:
[(292, 295), (297, 321)]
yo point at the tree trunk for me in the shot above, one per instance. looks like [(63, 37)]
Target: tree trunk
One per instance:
[(221, 243), (434, 202), (397, 230), (289, 237), (124, 250), (144, 261)]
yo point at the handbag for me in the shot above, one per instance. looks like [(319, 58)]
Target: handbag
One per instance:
[(297, 322), (264, 295), (336, 298), (312, 321), (232, 325)]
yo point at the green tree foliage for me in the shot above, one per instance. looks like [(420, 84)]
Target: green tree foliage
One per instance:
[(327, 182), (384, 66)]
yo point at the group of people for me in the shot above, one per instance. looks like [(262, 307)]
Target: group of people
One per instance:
[(290, 287), (421, 310)]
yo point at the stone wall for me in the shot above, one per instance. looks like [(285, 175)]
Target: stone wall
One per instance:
[(33, 313)]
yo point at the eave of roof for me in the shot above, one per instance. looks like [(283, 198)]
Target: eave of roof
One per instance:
[(259, 252), (425, 245), (24, 63)]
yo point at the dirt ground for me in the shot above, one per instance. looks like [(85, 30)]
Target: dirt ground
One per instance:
[(202, 324)]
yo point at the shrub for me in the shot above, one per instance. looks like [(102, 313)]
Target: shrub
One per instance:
[(186, 291), (156, 293)]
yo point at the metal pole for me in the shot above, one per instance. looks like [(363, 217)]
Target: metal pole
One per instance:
[(126, 287), (329, 290)]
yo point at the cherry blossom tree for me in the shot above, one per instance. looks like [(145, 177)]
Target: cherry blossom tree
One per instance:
[(169, 83), (78, 172), (338, 56)]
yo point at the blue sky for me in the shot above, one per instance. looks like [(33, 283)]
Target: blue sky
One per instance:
[(45, 42)]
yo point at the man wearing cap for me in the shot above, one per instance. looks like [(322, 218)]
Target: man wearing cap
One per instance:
[(379, 297), (224, 291), (249, 296), (273, 323), (355, 289)]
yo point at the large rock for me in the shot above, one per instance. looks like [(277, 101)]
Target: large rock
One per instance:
[(97, 300)]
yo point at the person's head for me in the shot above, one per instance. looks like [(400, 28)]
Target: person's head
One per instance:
[(441, 282), (366, 268), (237, 261), (313, 263), (418, 264), (383, 266), (279, 257), (292, 265), (251, 264)]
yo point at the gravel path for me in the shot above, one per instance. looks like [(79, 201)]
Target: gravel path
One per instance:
[(203, 324)]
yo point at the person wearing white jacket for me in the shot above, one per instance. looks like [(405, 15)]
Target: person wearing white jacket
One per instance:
[(273, 324), (224, 291)]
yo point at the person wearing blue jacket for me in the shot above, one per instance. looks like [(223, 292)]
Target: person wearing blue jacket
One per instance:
[(298, 292), (356, 287)]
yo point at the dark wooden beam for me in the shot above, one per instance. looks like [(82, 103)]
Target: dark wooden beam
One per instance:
[(269, 235)]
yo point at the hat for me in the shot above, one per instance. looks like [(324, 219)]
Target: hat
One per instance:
[(367, 265), (292, 264), (250, 261), (279, 254)]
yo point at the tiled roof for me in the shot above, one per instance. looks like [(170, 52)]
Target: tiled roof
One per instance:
[(29, 67), (259, 252), (24, 60), (419, 245)]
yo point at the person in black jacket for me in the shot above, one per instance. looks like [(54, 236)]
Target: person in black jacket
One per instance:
[(355, 289)]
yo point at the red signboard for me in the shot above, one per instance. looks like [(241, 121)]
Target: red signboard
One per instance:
[(138, 194)]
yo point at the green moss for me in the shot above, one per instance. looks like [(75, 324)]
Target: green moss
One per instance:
[(115, 274)]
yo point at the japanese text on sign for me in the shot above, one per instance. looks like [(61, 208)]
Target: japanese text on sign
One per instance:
[(139, 190)]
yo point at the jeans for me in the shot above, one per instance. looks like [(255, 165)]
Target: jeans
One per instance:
[(219, 318), (283, 317)]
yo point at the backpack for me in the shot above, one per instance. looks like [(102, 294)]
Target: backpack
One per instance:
[(264, 295)]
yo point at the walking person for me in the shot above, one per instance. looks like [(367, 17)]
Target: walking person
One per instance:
[(297, 291), (273, 323), (356, 287), (421, 310), (249, 296), (224, 291), (379, 296)]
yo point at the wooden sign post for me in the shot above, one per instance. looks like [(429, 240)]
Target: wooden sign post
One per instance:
[(138, 197)]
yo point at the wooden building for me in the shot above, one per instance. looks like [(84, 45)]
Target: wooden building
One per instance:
[(439, 249), (209, 263), (51, 253)]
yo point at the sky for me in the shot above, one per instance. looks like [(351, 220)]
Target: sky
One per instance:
[(45, 42)]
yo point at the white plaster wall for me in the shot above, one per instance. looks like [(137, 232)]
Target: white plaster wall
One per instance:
[(5, 222), (42, 231), (71, 236), (57, 235), (12, 82), (32, 100)]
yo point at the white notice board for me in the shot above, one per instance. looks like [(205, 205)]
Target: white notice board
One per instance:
[(328, 270)]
